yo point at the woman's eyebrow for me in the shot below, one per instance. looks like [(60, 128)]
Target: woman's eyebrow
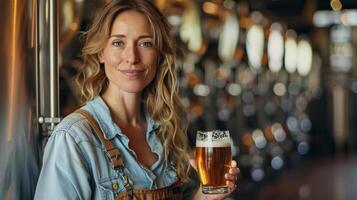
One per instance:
[(118, 35), (123, 36)]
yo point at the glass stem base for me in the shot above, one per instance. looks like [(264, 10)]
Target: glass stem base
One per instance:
[(214, 189)]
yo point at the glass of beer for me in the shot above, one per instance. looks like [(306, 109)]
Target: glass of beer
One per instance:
[(213, 159)]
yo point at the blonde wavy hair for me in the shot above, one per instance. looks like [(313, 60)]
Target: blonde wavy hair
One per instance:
[(160, 97)]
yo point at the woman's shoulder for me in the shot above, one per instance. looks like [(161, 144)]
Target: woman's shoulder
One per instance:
[(72, 120), (76, 126)]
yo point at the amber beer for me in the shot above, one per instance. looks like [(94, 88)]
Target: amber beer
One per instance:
[(213, 157)]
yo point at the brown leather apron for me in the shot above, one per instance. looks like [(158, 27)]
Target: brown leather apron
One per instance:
[(172, 192)]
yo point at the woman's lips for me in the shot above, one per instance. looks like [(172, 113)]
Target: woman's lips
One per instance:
[(132, 72)]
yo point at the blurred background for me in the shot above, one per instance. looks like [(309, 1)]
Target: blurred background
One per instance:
[(280, 75)]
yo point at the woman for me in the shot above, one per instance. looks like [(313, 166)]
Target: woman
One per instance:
[(130, 88)]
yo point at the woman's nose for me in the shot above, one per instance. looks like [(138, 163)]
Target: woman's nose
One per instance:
[(131, 55)]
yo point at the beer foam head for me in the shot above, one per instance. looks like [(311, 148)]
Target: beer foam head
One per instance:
[(214, 138)]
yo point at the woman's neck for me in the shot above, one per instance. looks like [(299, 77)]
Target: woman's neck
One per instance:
[(125, 108)]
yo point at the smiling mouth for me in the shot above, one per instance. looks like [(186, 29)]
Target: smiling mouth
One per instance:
[(132, 72)]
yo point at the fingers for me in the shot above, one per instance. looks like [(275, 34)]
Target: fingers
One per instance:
[(232, 175), (233, 163), (231, 180), (234, 170), (231, 185)]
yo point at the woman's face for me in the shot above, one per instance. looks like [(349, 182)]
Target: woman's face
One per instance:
[(130, 57)]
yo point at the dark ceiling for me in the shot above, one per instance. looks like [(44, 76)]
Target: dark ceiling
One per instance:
[(296, 13), (295, 6)]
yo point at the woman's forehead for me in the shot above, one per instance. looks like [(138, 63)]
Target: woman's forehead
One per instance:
[(131, 22)]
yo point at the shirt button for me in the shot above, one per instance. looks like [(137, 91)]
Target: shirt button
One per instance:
[(115, 186)]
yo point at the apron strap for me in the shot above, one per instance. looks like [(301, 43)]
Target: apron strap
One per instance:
[(173, 192), (111, 151)]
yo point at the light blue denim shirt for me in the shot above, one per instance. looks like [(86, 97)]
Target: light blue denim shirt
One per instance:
[(75, 165)]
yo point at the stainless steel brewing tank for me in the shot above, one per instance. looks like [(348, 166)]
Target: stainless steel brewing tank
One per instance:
[(37, 40), (18, 128)]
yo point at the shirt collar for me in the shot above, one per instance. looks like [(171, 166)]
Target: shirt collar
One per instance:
[(151, 124)]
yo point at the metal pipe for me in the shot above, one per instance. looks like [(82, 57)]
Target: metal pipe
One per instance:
[(54, 80), (36, 14), (48, 66)]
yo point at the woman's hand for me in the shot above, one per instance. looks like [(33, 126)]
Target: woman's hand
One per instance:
[(232, 176), (231, 181)]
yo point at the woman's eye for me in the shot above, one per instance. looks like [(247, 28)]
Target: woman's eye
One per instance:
[(147, 44), (117, 43)]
